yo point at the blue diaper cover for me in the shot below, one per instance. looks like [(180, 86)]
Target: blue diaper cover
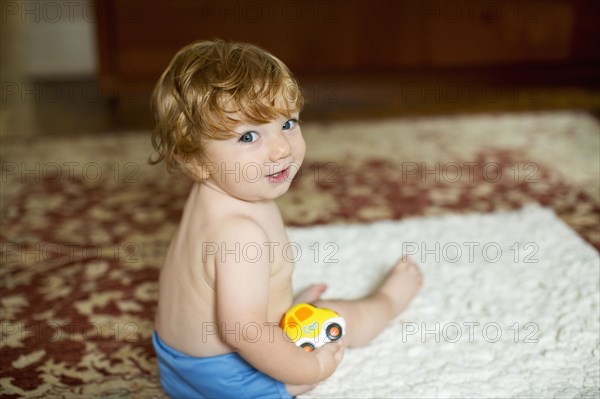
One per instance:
[(223, 376)]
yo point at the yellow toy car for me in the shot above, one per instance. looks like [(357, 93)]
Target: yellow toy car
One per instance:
[(311, 327)]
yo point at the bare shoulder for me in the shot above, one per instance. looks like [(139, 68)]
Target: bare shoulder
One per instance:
[(239, 230)]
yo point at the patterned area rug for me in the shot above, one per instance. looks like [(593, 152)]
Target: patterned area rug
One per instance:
[(85, 224)]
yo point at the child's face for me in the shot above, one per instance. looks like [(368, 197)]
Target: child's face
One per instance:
[(260, 162)]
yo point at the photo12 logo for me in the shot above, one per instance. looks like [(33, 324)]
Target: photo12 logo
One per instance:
[(469, 331), (253, 252), (254, 172), (485, 172), (470, 251), (26, 11), (70, 171), (54, 331), (129, 252)]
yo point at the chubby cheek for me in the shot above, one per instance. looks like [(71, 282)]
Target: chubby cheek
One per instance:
[(229, 165)]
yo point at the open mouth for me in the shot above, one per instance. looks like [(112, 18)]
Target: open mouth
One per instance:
[(279, 176)]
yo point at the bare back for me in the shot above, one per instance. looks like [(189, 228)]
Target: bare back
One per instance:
[(186, 318)]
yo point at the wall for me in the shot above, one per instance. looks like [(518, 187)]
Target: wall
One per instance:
[(55, 38)]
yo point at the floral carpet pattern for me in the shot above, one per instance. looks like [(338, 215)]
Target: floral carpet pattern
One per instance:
[(85, 223)]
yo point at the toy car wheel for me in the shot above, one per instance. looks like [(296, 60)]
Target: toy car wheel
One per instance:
[(334, 332), (308, 347)]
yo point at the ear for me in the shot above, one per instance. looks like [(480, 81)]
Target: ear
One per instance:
[(196, 169), (204, 173), (204, 168)]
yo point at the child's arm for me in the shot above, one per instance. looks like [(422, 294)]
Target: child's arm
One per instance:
[(242, 287)]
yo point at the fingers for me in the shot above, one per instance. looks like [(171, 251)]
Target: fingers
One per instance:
[(295, 390), (322, 288), (334, 349), (330, 355), (310, 294), (339, 353)]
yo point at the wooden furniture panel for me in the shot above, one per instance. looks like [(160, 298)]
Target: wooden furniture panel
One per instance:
[(488, 33), (138, 38)]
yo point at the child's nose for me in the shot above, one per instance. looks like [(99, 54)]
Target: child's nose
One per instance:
[(279, 148)]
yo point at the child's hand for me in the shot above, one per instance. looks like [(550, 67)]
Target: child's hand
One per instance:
[(329, 356)]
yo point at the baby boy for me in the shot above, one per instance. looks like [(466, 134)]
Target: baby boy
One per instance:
[(227, 115)]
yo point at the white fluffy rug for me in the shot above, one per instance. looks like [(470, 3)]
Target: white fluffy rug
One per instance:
[(509, 307)]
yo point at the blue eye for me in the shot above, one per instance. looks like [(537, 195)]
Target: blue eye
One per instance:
[(248, 137), (290, 124)]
